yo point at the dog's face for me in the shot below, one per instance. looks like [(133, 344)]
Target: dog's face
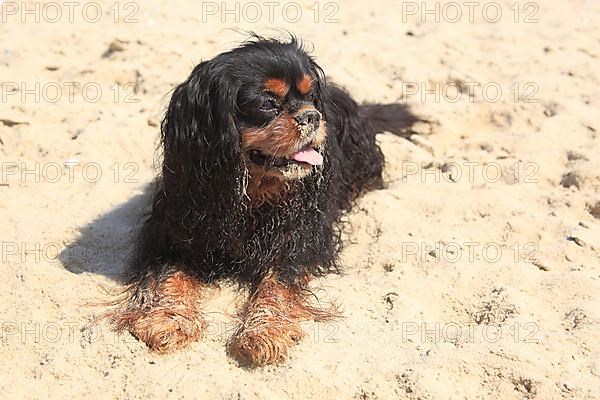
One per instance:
[(280, 120)]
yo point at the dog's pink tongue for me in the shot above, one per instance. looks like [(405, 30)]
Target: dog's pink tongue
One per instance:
[(309, 156)]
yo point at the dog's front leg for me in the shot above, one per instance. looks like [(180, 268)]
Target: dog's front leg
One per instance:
[(270, 322), (161, 308)]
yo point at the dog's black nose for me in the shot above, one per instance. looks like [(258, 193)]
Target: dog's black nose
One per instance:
[(308, 118)]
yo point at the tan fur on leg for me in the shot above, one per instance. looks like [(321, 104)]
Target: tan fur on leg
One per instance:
[(164, 313), (271, 323)]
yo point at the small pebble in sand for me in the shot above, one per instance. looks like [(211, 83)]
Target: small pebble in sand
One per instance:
[(114, 47)]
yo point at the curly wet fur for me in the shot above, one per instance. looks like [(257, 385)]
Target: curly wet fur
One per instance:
[(204, 220)]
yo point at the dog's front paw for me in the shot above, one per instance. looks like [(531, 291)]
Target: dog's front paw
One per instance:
[(165, 331), (162, 311), (264, 343)]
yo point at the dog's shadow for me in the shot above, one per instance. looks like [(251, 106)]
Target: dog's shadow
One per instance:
[(105, 245)]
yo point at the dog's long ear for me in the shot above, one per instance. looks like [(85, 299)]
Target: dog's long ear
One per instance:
[(203, 168)]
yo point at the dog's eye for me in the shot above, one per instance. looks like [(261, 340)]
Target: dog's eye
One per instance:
[(269, 105)]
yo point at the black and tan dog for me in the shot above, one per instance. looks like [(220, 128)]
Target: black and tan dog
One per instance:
[(261, 156)]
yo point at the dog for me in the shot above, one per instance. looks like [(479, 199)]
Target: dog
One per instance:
[(261, 157)]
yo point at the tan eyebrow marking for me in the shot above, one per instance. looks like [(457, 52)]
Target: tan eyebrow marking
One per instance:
[(276, 86), (304, 85)]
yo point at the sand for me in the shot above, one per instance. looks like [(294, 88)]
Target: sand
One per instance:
[(474, 274)]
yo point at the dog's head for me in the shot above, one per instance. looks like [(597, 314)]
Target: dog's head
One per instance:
[(246, 123), (256, 110), (280, 115)]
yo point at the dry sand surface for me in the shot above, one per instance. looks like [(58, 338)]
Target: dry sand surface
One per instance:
[(474, 274)]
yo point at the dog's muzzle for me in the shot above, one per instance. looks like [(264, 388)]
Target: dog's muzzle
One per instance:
[(310, 119)]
